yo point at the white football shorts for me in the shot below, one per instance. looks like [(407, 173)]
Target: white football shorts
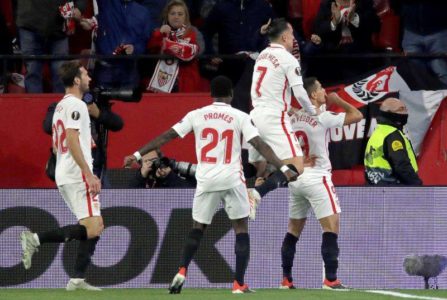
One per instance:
[(320, 196), (235, 202), (80, 201), (277, 132)]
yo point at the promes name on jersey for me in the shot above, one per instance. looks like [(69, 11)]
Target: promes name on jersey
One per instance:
[(218, 116)]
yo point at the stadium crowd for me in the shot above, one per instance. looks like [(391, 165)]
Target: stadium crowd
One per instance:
[(208, 38)]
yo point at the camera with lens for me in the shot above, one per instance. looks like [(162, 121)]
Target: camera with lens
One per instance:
[(101, 95), (182, 168), (162, 162)]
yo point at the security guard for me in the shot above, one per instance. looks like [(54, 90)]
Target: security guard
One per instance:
[(389, 156)]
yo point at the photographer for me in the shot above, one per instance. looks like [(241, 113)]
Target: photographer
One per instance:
[(102, 119), (157, 171)]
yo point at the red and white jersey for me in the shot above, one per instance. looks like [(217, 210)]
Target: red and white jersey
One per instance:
[(218, 130), (276, 71), (313, 135), (71, 112)]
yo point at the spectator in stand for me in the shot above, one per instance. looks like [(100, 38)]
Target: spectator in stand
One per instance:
[(345, 27), (236, 23), (43, 29), (155, 7), (124, 28), (425, 31), (178, 38)]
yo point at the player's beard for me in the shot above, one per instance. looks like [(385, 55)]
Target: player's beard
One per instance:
[(85, 88)]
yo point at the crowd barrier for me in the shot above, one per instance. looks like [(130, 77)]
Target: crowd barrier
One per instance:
[(145, 230)]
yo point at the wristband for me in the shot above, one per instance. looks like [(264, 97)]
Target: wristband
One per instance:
[(284, 169), (137, 155)]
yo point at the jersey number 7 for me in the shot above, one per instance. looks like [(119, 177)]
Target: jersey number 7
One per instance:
[(227, 137), (263, 71)]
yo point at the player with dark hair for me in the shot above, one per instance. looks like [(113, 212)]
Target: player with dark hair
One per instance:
[(314, 188), (276, 74), (77, 184), (217, 128)]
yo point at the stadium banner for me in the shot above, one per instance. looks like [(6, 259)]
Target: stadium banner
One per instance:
[(418, 89), (145, 231)]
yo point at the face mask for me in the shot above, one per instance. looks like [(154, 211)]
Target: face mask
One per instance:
[(399, 119)]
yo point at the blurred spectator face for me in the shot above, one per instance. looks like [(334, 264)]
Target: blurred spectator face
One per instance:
[(176, 16)]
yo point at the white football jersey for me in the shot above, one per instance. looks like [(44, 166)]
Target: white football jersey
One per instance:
[(218, 130), (276, 71), (71, 112), (313, 134)]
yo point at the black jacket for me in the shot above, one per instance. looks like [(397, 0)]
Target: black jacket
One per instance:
[(173, 180), (43, 17), (369, 23)]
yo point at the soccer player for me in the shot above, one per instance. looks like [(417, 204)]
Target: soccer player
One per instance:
[(314, 188), (276, 74), (72, 142), (217, 128)]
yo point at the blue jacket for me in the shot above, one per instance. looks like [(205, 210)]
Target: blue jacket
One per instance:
[(236, 22), (155, 8), (122, 22)]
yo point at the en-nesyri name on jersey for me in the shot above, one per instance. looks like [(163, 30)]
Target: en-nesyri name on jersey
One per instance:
[(313, 134)]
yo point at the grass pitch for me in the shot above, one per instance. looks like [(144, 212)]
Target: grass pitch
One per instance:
[(214, 294)]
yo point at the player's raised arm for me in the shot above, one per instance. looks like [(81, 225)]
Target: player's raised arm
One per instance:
[(157, 142), (353, 115), (303, 99), (268, 153)]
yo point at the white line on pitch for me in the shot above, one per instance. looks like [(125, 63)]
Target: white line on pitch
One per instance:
[(402, 295)]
